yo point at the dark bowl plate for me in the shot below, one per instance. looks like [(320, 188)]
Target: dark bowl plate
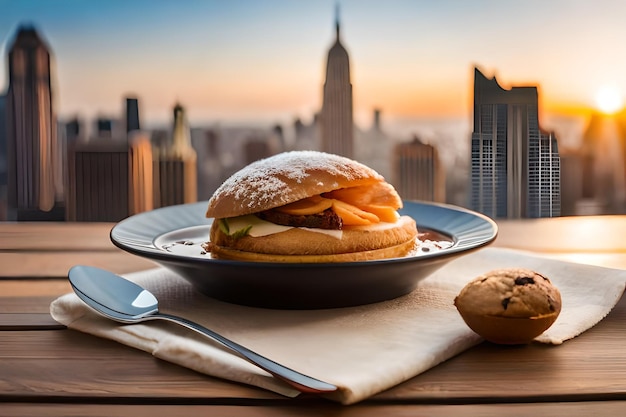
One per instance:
[(172, 236)]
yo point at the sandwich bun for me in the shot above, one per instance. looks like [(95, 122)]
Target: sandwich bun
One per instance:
[(300, 184)]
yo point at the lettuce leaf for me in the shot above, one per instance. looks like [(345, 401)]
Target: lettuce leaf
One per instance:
[(237, 234)]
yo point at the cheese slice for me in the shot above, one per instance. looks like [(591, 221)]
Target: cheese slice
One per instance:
[(260, 227)]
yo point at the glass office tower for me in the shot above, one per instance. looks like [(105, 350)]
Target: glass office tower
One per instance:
[(515, 166)]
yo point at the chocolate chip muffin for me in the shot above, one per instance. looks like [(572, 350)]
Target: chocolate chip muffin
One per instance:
[(509, 306)]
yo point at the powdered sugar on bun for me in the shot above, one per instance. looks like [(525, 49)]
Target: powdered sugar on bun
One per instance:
[(285, 178)]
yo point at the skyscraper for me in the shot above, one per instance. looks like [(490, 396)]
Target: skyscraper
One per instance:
[(3, 141), (109, 180), (604, 170), (336, 119), (374, 148), (3, 159), (132, 114), (418, 173), (515, 166), (572, 180), (34, 183), (207, 144), (104, 127), (175, 172)]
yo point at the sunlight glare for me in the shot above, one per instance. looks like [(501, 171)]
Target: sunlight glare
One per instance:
[(609, 99)]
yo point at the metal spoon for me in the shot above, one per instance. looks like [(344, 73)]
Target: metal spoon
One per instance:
[(124, 301)]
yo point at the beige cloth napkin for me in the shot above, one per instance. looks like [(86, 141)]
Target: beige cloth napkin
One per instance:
[(364, 350)]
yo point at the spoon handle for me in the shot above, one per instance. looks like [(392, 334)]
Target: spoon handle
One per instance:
[(301, 382)]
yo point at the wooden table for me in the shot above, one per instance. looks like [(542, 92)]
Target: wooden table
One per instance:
[(48, 370)]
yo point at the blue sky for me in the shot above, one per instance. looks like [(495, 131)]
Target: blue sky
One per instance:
[(247, 60)]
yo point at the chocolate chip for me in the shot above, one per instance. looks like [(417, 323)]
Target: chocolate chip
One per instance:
[(505, 302), (524, 280)]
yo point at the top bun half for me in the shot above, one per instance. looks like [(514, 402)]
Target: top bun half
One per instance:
[(285, 178)]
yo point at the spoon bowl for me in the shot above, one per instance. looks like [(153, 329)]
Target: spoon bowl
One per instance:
[(124, 301)]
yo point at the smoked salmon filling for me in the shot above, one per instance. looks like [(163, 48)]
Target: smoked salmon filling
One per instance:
[(357, 206)]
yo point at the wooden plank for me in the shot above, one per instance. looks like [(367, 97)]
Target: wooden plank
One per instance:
[(13, 290), (593, 234), (28, 321), (30, 305), (307, 408), (25, 304), (56, 264), (62, 364), (43, 236), (607, 260)]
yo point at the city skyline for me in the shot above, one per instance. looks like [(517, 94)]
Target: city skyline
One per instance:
[(515, 170), (246, 61)]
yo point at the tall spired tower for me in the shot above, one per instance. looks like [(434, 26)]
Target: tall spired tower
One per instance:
[(175, 171), (336, 119), (35, 184)]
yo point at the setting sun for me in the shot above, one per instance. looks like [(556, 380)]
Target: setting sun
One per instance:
[(609, 99)]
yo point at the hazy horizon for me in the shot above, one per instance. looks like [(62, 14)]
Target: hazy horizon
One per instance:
[(245, 61)]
